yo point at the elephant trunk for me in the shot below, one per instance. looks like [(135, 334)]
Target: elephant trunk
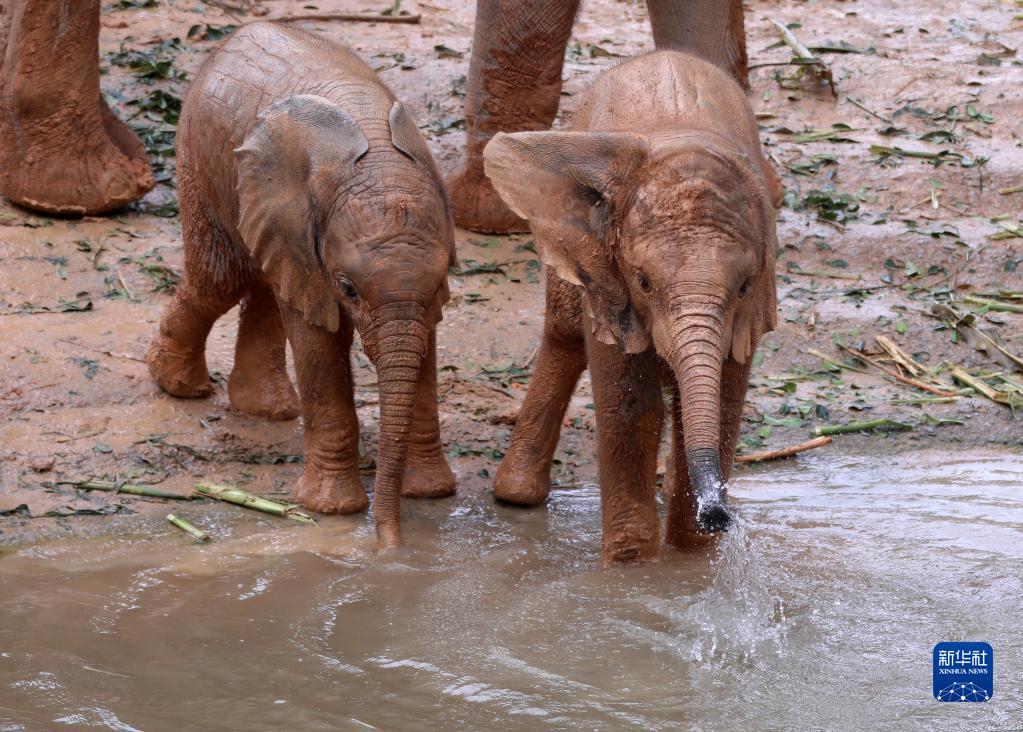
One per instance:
[(695, 357), (398, 348)]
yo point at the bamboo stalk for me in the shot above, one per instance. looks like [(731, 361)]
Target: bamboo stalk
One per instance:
[(231, 494), (914, 367), (828, 361), (135, 490), (822, 273), (995, 305), (792, 42), (804, 55), (976, 384), (350, 18), (189, 528), (926, 400), (897, 376), (785, 452), (876, 424)]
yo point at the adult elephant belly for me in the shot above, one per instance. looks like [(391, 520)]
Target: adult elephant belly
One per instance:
[(515, 79)]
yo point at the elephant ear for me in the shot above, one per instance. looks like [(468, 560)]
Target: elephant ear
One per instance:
[(288, 168), (571, 187), (757, 313)]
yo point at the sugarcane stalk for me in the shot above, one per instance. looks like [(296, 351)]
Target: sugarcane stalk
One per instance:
[(231, 494), (189, 528), (994, 305), (876, 424), (135, 490)]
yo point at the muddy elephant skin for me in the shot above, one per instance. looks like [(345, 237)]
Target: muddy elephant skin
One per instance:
[(514, 81), (655, 214), (309, 195), (62, 150)]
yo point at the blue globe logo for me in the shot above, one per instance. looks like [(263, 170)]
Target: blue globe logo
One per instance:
[(962, 692)]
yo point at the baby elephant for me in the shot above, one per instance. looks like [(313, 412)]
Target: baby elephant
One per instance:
[(308, 193), (656, 211)]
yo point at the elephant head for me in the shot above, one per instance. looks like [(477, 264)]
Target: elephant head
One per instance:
[(337, 224), (672, 240)]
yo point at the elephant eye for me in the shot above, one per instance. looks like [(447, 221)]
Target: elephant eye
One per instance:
[(644, 283), (345, 285), (745, 287)]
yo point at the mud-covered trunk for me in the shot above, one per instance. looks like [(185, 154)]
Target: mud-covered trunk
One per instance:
[(695, 358), (399, 346)]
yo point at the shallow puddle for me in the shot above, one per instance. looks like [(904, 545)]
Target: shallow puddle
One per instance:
[(819, 611)]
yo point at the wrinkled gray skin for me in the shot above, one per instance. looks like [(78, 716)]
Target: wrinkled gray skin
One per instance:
[(303, 181)]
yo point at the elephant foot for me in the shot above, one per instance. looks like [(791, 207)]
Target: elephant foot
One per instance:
[(428, 477), (62, 150), (84, 170), (518, 482), (477, 206), (272, 396), (642, 547), (179, 372), (325, 492)]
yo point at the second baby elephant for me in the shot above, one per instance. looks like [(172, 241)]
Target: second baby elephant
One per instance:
[(655, 213), (308, 193)]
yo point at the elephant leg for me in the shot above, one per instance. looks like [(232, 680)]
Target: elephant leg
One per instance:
[(216, 276), (524, 476), (630, 414), (514, 86), (259, 382), (682, 530), (711, 29), (427, 474), (62, 150), (330, 482)]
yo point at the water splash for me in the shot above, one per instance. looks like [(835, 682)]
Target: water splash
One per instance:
[(739, 615)]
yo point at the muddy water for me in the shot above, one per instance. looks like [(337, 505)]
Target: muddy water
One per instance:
[(819, 611)]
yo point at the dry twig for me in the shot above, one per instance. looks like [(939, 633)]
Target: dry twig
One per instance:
[(785, 452)]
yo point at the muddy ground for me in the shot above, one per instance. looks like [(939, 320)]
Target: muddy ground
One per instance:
[(872, 240)]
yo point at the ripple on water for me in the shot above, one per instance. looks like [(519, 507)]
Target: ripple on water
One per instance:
[(818, 609)]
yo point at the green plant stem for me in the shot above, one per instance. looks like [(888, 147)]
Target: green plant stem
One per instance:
[(189, 528), (231, 494), (876, 424), (994, 305), (135, 490)]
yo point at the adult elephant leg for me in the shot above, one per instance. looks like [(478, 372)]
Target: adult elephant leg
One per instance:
[(711, 29), (524, 476), (330, 482), (62, 150), (427, 473), (630, 414), (259, 382), (682, 530), (514, 86)]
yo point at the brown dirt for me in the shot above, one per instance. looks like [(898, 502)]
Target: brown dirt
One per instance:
[(80, 299)]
